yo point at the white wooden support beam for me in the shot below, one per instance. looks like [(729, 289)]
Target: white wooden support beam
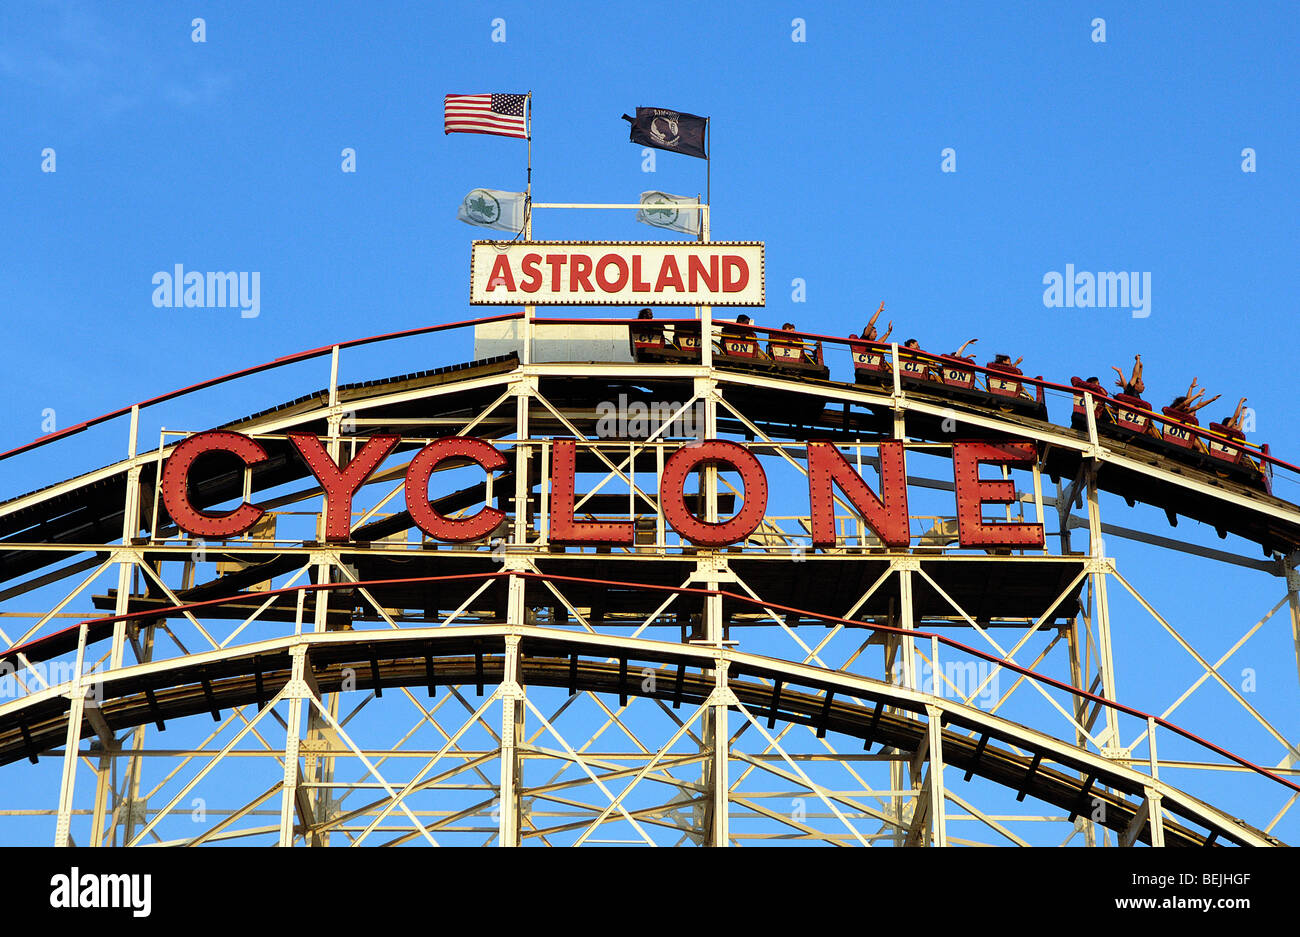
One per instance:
[(72, 744), (938, 822), (720, 835), (511, 729), (295, 693)]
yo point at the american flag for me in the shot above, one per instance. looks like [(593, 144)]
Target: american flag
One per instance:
[(500, 114)]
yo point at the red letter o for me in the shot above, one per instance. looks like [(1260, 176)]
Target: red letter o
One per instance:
[(604, 263), (711, 452)]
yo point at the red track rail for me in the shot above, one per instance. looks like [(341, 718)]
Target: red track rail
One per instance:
[(813, 336), (1034, 382), (245, 372), (98, 624)]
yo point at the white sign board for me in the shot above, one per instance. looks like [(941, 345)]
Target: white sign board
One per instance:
[(568, 342), (617, 273)]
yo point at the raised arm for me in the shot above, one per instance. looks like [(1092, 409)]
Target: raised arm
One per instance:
[(961, 352), (1138, 385), (871, 323), (1236, 416), (885, 337)]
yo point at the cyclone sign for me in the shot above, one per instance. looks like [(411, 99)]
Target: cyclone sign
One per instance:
[(885, 511)]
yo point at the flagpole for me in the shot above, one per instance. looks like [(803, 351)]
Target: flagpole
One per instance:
[(708, 164), (705, 313), (529, 311), (528, 192)]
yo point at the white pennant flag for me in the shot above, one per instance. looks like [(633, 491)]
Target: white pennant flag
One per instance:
[(676, 212), (488, 208)]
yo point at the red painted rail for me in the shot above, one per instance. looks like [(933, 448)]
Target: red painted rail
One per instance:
[(32, 649), (812, 336)]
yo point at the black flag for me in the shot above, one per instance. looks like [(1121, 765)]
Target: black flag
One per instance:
[(669, 130)]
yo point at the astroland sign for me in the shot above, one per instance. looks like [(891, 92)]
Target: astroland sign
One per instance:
[(617, 273)]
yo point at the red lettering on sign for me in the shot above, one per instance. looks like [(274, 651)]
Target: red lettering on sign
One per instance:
[(672, 494), (425, 516), (605, 262), (564, 529), (973, 493), (737, 281), (638, 285), (669, 275), (532, 281), (886, 515), (580, 273), (340, 485), (557, 270), (501, 275), (697, 273), (175, 485)]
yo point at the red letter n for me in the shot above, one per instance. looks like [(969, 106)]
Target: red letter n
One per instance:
[(827, 467)]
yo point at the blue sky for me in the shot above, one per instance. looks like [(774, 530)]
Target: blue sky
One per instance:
[(225, 155)]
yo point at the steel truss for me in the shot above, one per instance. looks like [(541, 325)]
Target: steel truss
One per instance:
[(661, 694)]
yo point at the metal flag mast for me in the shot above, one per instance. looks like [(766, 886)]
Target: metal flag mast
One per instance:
[(529, 311), (708, 184), (704, 313), (708, 169), (528, 190)]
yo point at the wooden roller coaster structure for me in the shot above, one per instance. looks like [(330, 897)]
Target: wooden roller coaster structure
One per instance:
[(777, 687)]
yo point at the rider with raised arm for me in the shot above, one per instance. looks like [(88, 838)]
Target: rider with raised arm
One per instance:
[(1133, 386), (1185, 406), (1231, 426), (1234, 421), (1004, 363), (961, 352), (869, 333)]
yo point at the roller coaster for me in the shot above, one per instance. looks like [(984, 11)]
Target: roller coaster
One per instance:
[(527, 687)]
